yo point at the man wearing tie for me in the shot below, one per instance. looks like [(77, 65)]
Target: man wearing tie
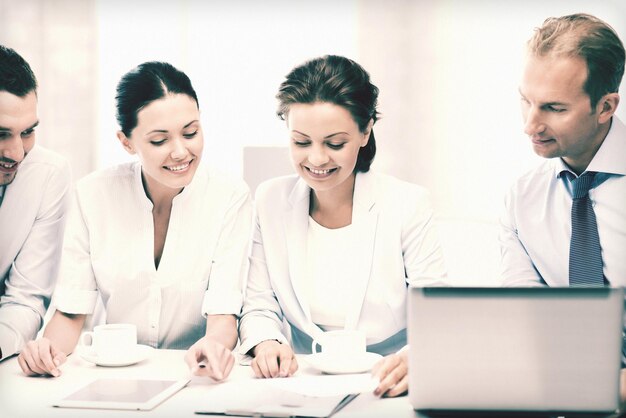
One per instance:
[(565, 221), (34, 186)]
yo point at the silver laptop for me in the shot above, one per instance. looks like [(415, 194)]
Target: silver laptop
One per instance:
[(513, 349)]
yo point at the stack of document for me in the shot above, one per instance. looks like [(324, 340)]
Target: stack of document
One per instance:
[(303, 396)]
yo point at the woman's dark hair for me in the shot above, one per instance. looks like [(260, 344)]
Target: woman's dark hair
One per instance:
[(16, 76), (340, 81), (144, 84)]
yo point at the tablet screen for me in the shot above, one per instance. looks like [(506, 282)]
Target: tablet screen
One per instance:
[(122, 394)]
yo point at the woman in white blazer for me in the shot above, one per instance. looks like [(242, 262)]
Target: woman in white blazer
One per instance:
[(335, 246)]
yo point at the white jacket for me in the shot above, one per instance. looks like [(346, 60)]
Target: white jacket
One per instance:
[(397, 245)]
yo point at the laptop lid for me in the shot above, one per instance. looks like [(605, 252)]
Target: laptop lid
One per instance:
[(530, 349)]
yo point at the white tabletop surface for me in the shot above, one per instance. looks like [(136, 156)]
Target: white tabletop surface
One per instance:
[(22, 396)]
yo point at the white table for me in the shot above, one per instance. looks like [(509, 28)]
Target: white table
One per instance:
[(22, 396)]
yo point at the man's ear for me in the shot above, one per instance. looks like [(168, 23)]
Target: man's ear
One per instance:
[(367, 132), (606, 107), (128, 146)]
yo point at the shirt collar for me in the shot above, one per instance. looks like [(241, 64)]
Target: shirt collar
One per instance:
[(611, 156), (140, 191), (561, 169)]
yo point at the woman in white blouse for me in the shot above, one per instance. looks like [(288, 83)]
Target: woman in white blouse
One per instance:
[(335, 246), (161, 241)]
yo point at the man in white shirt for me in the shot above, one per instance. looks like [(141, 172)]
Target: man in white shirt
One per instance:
[(565, 221), (569, 94), (34, 186)]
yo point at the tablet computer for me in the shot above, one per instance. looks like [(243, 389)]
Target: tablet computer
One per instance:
[(137, 394)]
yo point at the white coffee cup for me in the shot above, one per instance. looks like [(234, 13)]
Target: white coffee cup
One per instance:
[(341, 343), (111, 341)]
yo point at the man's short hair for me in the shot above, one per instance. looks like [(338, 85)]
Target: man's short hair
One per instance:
[(593, 40), (16, 76)]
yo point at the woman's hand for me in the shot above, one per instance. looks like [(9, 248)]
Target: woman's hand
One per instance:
[(392, 371), (273, 359), (41, 357), (210, 358)]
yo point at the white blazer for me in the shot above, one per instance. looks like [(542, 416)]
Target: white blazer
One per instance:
[(397, 245)]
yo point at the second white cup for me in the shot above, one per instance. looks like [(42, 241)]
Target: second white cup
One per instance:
[(111, 341)]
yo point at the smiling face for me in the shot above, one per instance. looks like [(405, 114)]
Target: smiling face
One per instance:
[(325, 142), (168, 141), (18, 119), (558, 115)]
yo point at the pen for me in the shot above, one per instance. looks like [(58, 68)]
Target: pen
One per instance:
[(242, 413)]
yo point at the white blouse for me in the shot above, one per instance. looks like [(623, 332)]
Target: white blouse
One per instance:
[(331, 277), (109, 249)]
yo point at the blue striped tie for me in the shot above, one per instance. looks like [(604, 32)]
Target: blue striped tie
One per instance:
[(585, 254)]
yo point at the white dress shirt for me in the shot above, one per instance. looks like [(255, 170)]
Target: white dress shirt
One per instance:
[(32, 218), (536, 226), (109, 248), (394, 244)]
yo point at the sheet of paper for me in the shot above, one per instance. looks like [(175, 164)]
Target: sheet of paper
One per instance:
[(327, 385), (312, 396)]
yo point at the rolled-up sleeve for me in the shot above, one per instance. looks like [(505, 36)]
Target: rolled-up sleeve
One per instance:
[(76, 291)]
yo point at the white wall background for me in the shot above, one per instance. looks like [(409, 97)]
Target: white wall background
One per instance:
[(448, 72), (236, 54)]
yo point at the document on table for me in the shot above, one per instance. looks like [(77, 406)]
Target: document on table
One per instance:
[(305, 396)]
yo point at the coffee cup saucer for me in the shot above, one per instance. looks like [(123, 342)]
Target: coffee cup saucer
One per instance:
[(139, 353), (333, 364)]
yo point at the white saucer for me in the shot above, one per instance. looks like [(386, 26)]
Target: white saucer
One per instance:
[(140, 353), (333, 365)]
